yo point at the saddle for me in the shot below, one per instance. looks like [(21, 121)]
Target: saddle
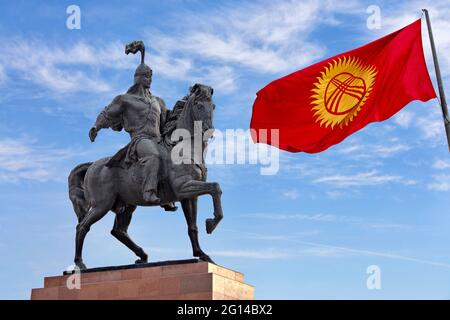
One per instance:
[(135, 171), (118, 160)]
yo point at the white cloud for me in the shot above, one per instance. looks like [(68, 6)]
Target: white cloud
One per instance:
[(266, 237), (440, 183), (404, 118), (78, 68), (387, 151), (265, 254), (315, 249), (441, 164), (299, 216), (62, 69), (222, 79), (253, 254), (2, 74), (396, 17), (272, 237), (432, 127), (360, 151), (171, 67), (335, 194), (330, 218), (255, 36), (375, 254), (22, 159), (291, 194), (265, 37), (361, 179), (392, 226), (399, 15), (273, 254), (350, 149)]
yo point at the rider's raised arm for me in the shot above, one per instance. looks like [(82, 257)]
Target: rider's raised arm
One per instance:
[(110, 117)]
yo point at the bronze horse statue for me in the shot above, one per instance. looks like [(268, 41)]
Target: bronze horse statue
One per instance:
[(96, 188)]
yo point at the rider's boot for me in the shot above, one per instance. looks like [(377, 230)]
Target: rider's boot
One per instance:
[(150, 196), (171, 207), (150, 174)]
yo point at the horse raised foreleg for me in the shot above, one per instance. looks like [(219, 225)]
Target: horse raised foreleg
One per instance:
[(195, 188), (190, 213), (120, 229), (211, 224)]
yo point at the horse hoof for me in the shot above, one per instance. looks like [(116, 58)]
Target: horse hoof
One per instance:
[(80, 265), (170, 207), (210, 225), (206, 258), (139, 261)]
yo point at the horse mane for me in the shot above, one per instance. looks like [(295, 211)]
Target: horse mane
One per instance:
[(177, 118), (186, 113), (181, 116)]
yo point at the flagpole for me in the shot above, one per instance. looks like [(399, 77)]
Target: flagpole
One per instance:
[(439, 79)]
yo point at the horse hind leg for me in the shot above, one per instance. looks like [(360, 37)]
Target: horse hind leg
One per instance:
[(94, 214), (119, 231)]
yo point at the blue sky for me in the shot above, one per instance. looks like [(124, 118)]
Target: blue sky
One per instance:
[(379, 198)]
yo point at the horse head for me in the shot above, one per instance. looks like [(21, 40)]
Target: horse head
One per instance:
[(199, 109)]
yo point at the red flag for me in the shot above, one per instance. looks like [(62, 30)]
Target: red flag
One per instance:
[(321, 105)]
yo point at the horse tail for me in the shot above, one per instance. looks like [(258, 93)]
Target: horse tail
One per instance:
[(76, 190)]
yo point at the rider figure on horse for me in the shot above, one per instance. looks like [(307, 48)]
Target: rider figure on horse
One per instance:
[(143, 116)]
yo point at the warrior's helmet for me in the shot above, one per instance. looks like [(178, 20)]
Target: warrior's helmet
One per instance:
[(134, 47)]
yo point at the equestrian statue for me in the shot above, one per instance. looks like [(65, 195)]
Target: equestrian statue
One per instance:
[(158, 167)]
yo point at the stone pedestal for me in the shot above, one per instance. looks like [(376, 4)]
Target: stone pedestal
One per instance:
[(173, 280)]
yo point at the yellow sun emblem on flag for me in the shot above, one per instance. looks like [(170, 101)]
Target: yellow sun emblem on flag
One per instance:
[(341, 91)]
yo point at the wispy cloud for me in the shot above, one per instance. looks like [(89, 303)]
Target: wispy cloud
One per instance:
[(360, 151), (441, 164), (273, 237), (322, 250), (400, 15), (404, 118), (387, 151), (2, 74), (371, 178), (299, 216), (312, 249), (80, 67), (432, 127), (253, 254), (336, 194), (62, 69), (273, 254), (222, 78), (375, 254), (265, 38), (292, 194), (440, 183), (23, 159), (331, 218), (265, 254), (262, 37)]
